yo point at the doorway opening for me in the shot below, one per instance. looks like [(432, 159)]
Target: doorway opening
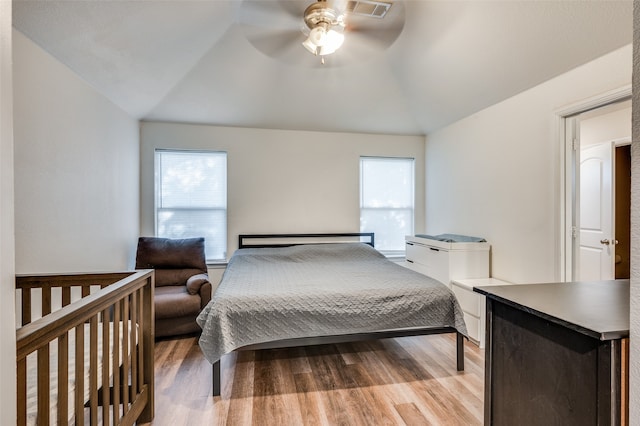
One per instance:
[(622, 211), (598, 177)]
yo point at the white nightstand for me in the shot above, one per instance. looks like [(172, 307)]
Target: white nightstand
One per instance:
[(474, 305)]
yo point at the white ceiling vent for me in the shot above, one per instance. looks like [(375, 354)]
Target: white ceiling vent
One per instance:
[(374, 9)]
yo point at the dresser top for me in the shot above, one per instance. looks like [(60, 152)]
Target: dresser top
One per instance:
[(599, 309), (447, 245)]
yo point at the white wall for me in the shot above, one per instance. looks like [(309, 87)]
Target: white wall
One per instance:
[(7, 264), (281, 180), (634, 359), (76, 170), (496, 174)]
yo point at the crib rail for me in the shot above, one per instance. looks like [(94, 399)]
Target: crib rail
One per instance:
[(101, 345)]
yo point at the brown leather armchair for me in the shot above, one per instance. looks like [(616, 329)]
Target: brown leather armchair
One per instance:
[(182, 286)]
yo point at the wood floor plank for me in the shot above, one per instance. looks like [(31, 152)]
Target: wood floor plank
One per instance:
[(403, 381), (406, 372), (350, 353), (323, 359), (290, 399), (410, 414), (273, 390), (454, 407), (375, 401), (464, 384), (299, 362), (241, 401), (310, 400)]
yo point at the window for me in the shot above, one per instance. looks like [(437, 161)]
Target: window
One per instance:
[(191, 198), (387, 201)]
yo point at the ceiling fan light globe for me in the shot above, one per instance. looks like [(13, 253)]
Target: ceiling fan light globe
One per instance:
[(333, 40), (312, 48), (324, 51), (318, 36)]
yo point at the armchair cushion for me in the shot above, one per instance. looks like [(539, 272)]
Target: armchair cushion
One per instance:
[(175, 260), (166, 277)]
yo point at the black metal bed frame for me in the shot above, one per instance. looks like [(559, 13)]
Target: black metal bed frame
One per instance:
[(344, 338), (298, 239)]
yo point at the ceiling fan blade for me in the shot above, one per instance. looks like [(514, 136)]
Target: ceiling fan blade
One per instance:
[(378, 39), (358, 49), (295, 8), (270, 14), (276, 43)]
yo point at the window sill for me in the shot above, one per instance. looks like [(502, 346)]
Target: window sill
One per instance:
[(217, 265)]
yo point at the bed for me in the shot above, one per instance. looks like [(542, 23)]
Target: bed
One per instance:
[(276, 293), (85, 348)]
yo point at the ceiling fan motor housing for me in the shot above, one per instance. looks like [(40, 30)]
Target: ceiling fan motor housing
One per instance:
[(320, 14)]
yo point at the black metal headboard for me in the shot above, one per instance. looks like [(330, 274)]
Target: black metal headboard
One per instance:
[(279, 240)]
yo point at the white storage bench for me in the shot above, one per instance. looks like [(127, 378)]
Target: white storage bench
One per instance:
[(455, 263)]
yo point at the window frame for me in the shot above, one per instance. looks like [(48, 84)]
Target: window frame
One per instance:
[(412, 208), (157, 208)]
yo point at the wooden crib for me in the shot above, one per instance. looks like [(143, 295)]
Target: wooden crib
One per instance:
[(89, 357)]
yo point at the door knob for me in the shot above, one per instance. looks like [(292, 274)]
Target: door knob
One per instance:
[(605, 242)]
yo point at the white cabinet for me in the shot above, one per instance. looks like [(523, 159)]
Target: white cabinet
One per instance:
[(474, 305), (447, 261)]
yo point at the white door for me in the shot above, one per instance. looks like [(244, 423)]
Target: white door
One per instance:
[(596, 240)]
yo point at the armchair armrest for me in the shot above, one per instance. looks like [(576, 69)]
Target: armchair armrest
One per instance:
[(195, 282), (205, 294)]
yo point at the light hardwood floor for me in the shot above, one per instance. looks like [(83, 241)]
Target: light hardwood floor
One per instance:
[(408, 380)]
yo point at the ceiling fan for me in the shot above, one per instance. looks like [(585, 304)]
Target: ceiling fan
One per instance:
[(359, 28)]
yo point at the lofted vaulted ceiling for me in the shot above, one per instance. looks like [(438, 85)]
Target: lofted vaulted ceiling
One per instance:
[(200, 61)]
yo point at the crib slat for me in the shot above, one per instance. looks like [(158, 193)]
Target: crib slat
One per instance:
[(93, 370), (63, 382), (140, 330), (126, 316), (26, 306), (43, 385), (106, 371), (116, 363), (86, 290), (79, 367), (21, 392), (132, 345), (66, 296), (46, 301)]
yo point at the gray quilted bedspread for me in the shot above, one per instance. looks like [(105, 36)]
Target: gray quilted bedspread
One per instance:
[(270, 294)]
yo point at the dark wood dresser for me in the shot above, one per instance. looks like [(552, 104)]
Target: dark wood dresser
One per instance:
[(557, 354)]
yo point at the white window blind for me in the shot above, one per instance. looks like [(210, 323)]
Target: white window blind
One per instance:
[(387, 201), (191, 198)]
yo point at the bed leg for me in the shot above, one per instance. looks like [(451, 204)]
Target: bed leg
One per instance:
[(216, 378), (460, 351)]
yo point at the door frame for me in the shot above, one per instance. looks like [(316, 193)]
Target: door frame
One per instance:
[(566, 119)]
